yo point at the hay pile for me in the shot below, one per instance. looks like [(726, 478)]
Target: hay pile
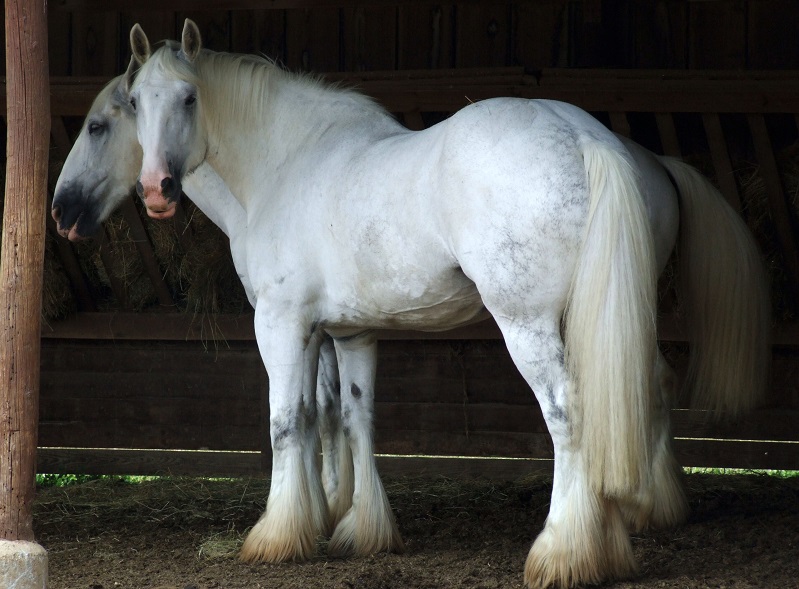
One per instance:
[(193, 258)]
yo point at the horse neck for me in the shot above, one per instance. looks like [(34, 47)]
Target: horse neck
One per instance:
[(247, 152), (212, 196)]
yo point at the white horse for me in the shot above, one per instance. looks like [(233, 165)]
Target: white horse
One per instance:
[(99, 174), (644, 509)]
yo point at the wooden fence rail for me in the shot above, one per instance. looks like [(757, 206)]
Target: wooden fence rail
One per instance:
[(177, 407)]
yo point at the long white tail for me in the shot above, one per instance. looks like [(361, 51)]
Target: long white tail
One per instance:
[(610, 326), (724, 292)]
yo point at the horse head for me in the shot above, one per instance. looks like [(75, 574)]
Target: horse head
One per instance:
[(166, 100), (101, 168)]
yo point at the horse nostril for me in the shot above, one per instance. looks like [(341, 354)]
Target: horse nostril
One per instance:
[(139, 189), (56, 212), (167, 186)]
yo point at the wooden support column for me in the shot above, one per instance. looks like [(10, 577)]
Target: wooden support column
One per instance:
[(21, 266)]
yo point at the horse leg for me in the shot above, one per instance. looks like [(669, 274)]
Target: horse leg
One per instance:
[(584, 539), (320, 512), (295, 511), (661, 503), (337, 470), (368, 525)]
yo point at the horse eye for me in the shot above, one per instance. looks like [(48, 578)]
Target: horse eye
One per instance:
[(190, 99), (133, 104), (96, 128)]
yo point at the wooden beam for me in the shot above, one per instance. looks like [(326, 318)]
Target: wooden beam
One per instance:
[(142, 242), (721, 159), (28, 142), (668, 134), (594, 90), (216, 5), (619, 123)]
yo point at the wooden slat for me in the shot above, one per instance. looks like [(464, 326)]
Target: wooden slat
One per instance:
[(424, 37), (780, 214), (763, 424), (150, 410), (94, 44), (737, 454), (122, 357), (147, 463), (112, 433), (668, 134), (719, 35), (369, 37), (118, 287), (312, 44), (142, 242), (721, 159), (619, 123), (482, 35), (77, 280)]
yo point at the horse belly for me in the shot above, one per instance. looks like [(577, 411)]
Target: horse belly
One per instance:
[(410, 300)]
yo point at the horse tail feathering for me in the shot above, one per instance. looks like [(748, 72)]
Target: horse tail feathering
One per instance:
[(725, 297), (610, 327)]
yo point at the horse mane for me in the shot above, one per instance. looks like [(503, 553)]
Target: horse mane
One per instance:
[(109, 94), (243, 83)]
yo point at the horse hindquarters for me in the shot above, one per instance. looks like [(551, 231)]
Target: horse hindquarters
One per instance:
[(724, 296), (597, 402)]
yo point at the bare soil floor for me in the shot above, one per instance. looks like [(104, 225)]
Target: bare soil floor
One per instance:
[(184, 533)]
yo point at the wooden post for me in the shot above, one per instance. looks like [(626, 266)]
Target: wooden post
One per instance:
[(21, 263)]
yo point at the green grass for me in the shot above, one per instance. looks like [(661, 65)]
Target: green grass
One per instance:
[(783, 474), (63, 480)]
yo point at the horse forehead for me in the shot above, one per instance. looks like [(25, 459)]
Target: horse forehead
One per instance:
[(161, 88), (158, 83)]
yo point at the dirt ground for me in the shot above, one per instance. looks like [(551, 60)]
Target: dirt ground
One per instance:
[(183, 534)]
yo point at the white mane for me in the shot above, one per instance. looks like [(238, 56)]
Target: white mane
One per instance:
[(243, 84)]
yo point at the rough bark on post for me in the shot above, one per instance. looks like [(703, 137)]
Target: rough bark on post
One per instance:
[(22, 260)]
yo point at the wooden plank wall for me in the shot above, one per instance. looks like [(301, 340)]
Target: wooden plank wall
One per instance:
[(445, 398), (90, 37)]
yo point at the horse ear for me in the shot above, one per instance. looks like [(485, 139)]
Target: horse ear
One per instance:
[(190, 42), (127, 80), (139, 44)]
